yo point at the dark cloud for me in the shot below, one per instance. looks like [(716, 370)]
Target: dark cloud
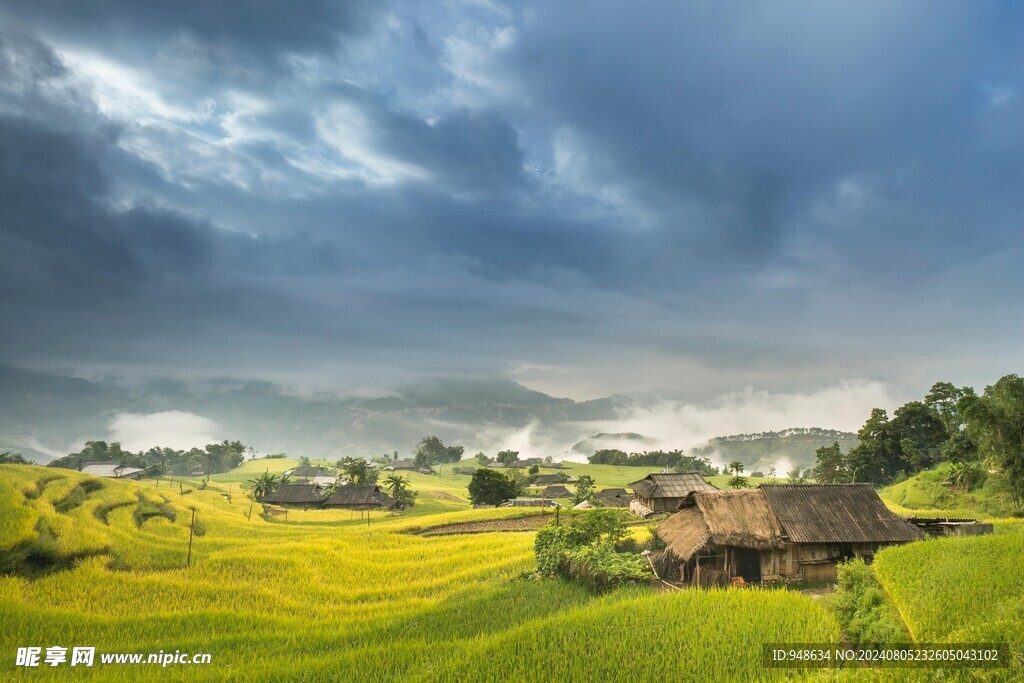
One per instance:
[(673, 194)]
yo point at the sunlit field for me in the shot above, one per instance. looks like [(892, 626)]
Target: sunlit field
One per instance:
[(326, 593)]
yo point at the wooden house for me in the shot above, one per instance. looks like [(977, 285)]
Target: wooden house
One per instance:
[(360, 498), (777, 532), (663, 492)]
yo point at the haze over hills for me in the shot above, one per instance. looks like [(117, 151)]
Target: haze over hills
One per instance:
[(44, 415)]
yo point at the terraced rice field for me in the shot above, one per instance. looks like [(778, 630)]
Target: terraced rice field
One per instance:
[(323, 595)]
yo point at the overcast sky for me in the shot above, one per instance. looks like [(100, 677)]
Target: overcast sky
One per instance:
[(584, 197)]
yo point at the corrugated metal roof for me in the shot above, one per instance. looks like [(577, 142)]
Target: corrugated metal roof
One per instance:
[(110, 469), (295, 494), (836, 513), (671, 485), (360, 498)]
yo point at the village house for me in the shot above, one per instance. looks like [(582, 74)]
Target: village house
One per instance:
[(112, 470), (306, 495), (613, 498), (663, 492), (360, 498), (776, 532)]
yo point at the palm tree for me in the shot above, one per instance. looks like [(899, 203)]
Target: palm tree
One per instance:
[(736, 467), (396, 484), (263, 485), (965, 475)]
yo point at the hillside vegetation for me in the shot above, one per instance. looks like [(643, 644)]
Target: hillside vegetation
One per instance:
[(928, 492), (760, 451)]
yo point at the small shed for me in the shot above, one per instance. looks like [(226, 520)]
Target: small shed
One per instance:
[(556, 492), (663, 492), (360, 498), (951, 526), (306, 495)]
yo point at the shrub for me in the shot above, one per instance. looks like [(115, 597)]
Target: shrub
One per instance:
[(864, 610)]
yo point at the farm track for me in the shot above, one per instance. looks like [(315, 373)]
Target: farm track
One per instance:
[(518, 524)]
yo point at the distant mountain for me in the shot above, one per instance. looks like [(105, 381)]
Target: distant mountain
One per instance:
[(762, 450), (45, 411)]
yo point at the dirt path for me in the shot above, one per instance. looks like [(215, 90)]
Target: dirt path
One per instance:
[(518, 524)]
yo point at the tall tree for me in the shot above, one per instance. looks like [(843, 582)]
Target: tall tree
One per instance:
[(995, 421), (357, 471), (432, 451), (831, 467), (506, 458), (490, 487)]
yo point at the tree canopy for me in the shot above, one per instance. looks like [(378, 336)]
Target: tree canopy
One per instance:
[(490, 487)]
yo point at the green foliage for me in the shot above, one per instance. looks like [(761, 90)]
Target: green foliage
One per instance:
[(358, 472), (398, 487), (866, 614), (738, 482), (482, 459), (263, 485), (675, 460), (506, 458), (8, 458), (490, 487), (995, 422), (831, 467), (584, 489), (965, 476), (586, 549)]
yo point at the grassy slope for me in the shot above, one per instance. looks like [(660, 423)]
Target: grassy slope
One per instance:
[(324, 594), (925, 494)]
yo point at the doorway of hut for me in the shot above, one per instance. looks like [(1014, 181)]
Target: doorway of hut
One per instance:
[(748, 564)]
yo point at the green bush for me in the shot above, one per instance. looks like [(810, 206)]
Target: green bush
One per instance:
[(588, 548), (865, 612)]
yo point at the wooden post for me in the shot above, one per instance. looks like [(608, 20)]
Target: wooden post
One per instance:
[(249, 515), (181, 490), (191, 532)]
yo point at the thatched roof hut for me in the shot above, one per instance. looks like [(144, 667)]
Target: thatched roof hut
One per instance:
[(556, 492), (779, 531), (663, 492), (734, 518), (296, 494), (360, 498)]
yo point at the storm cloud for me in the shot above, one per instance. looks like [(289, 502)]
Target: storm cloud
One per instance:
[(687, 199)]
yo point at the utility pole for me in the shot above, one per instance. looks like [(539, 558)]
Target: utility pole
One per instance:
[(191, 532)]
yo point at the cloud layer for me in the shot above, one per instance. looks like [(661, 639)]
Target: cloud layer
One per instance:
[(690, 198)]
